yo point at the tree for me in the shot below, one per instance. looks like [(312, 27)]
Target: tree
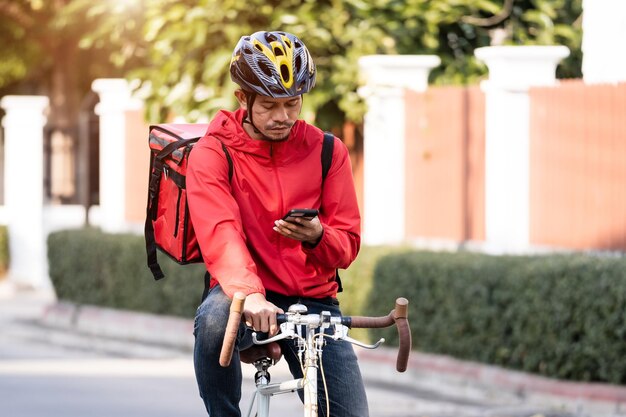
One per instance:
[(41, 55), (179, 50)]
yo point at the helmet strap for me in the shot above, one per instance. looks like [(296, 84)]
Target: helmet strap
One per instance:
[(250, 98)]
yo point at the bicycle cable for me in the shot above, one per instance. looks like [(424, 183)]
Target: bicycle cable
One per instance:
[(325, 386)]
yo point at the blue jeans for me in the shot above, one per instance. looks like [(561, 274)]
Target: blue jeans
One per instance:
[(220, 388)]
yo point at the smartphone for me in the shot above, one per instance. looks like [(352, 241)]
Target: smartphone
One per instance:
[(307, 214)]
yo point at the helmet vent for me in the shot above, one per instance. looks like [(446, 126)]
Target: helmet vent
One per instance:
[(270, 37), (247, 50), (257, 46), (284, 72), (278, 52), (298, 63), (298, 44), (288, 43), (266, 70)]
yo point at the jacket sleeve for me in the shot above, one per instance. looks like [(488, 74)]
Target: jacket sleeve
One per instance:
[(339, 214), (217, 221)]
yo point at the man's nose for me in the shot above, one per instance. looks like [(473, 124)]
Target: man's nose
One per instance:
[(280, 114)]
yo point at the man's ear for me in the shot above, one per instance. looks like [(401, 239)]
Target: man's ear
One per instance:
[(242, 99)]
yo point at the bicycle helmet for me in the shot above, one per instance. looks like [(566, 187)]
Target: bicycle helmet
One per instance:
[(274, 64)]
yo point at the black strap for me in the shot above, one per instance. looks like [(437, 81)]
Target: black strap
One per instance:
[(327, 159), (230, 162), (153, 187), (207, 285), (327, 153)]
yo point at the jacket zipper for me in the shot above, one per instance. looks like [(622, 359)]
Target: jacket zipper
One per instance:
[(294, 282)]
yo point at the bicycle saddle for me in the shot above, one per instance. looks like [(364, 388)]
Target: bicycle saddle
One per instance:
[(255, 352)]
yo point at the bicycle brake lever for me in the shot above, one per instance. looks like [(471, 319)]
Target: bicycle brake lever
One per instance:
[(341, 333), (361, 344), (279, 336), (287, 331)]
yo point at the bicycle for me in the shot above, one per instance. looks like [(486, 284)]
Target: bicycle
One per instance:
[(309, 332)]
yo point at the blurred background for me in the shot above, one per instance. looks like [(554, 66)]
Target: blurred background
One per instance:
[(486, 138)]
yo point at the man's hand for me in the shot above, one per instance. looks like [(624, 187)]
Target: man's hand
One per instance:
[(260, 314), (300, 229)]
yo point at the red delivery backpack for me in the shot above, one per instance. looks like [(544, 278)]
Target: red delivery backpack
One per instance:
[(168, 225)]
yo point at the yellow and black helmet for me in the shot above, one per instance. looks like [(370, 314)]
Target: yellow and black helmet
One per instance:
[(274, 64)]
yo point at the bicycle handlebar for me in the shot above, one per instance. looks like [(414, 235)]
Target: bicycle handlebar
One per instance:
[(228, 345), (399, 316)]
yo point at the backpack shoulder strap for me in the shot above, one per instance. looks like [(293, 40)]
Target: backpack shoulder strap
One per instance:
[(327, 160), (327, 153), (229, 160)]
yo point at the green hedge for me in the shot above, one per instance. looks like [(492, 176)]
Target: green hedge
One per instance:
[(560, 316), (4, 250), (91, 267), (88, 266)]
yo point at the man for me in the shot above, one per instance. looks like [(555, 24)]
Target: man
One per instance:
[(246, 246)]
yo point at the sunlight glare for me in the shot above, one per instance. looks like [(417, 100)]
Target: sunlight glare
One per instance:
[(120, 6)]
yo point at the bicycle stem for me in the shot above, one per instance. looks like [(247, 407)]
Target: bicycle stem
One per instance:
[(310, 373)]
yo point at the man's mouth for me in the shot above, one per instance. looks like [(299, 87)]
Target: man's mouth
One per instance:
[(280, 128)]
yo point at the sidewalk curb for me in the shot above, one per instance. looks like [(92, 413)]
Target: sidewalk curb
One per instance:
[(565, 394), (133, 326)]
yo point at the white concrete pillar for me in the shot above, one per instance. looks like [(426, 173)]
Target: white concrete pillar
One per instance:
[(23, 189), (387, 77), (512, 71), (115, 100), (604, 31)]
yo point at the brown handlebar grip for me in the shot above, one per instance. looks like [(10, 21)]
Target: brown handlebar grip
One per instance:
[(404, 335), (372, 322), (232, 327), (401, 314)]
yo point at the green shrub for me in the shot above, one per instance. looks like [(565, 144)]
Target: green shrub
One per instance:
[(91, 267), (357, 280), (560, 316), (88, 266), (4, 250), (357, 283)]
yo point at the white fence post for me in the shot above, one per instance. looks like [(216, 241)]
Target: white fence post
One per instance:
[(23, 163), (604, 31), (512, 71), (387, 77), (115, 100)]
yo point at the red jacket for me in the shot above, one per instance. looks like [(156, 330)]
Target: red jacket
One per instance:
[(234, 220)]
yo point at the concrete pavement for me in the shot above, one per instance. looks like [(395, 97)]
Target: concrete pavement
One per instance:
[(434, 385)]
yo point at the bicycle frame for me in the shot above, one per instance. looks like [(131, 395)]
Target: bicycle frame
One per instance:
[(265, 390), (309, 331)]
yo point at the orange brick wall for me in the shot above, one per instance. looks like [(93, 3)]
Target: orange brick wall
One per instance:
[(578, 166), (445, 164)]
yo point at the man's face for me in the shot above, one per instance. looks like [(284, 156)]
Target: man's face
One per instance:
[(273, 117)]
